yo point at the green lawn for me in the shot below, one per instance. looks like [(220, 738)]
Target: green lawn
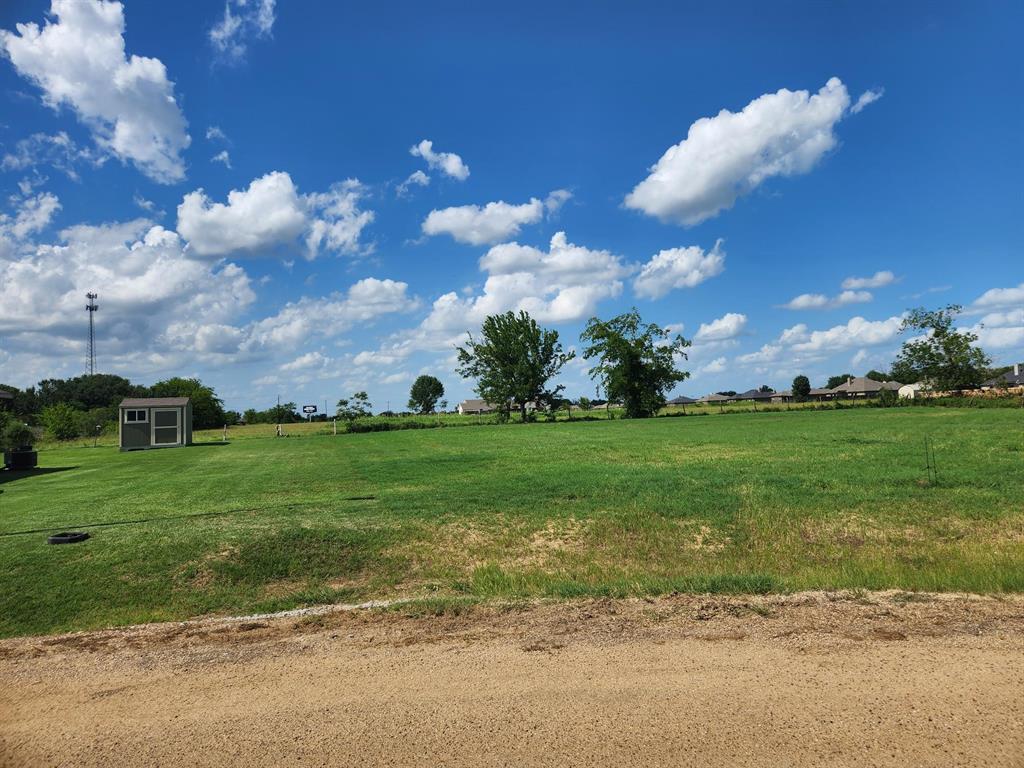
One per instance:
[(752, 502)]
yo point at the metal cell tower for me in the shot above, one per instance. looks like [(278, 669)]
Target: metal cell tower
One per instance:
[(91, 308)]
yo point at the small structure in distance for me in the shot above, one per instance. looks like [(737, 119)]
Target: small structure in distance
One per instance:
[(154, 422)]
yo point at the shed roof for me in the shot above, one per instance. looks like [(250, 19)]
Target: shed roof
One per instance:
[(153, 402), (753, 394), (5, 395)]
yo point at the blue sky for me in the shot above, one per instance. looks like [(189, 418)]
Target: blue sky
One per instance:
[(247, 187)]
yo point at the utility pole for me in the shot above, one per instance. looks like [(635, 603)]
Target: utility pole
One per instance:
[(91, 308)]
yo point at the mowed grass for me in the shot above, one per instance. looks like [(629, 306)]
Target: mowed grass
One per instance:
[(752, 503)]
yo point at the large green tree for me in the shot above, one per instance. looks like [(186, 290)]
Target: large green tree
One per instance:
[(943, 357), (207, 408), (425, 393), (513, 361), (801, 388), (636, 361)]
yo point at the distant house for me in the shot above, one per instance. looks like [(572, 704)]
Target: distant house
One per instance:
[(475, 407), (752, 394), (821, 394), (154, 422), (713, 398), (681, 400), (861, 386), (6, 398), (909, 391), (785, 396), (1012, 378)]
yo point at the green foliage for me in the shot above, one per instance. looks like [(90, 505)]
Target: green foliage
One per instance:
[(355, 407), (887, 398), (945, 358), (880, 376), (425, 393), (207, 408), (801, 388), (835, 381), (14, 434), (61, 421), (82, 393), (635, 366), (513, 361)]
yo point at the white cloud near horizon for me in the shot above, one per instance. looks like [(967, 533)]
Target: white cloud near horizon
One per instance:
[(729, 155), (675, 268), (448, 163), (78, 59)]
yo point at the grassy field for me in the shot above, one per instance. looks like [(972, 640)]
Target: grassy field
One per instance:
[(751, 503)]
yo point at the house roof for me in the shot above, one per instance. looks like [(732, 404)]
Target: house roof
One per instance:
[(713, 398), (153, 402), (1009, 379), (476, 405), (864, 384), (821, 391), (5, 395), (681, 400), (753, 394)]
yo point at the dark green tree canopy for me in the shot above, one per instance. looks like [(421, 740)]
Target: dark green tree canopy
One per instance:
[(636, 361), (944, 358), (878, 375), (425, 393), (207, 408), (801, 388), (513, 361)]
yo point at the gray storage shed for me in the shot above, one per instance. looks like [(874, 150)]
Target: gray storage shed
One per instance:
[(154, 422)]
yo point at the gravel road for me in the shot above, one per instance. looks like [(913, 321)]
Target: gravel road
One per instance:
[(800, 680)]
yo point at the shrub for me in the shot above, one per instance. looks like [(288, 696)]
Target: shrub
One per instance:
[(61, 421), (16, 435)]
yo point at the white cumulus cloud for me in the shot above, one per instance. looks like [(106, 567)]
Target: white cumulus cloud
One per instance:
[(448, 163), (821, 301), (78, 60), (678, 268), (723, 157), (271, 214), (729, 326)]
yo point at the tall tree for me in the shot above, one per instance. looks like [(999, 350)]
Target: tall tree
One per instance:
[(877, 375), (801, 388), (944, 358), (425, 393), (513, 361), (207, 408), (636, 361)]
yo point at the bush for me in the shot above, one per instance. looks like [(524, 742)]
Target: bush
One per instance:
[(61, 421), (16, 435)]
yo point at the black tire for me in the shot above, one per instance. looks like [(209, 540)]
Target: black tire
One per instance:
[(67, 538)]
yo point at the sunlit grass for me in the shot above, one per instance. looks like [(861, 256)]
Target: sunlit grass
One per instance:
[(755, 503)]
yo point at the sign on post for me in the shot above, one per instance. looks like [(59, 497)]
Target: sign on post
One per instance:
[(309, 410)]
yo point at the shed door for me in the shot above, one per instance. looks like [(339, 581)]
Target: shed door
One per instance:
[(166, 426)]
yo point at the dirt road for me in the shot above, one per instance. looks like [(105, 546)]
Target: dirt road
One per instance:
[(803, 680)]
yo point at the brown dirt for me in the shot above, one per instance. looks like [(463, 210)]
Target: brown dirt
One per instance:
[(801, 680)]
